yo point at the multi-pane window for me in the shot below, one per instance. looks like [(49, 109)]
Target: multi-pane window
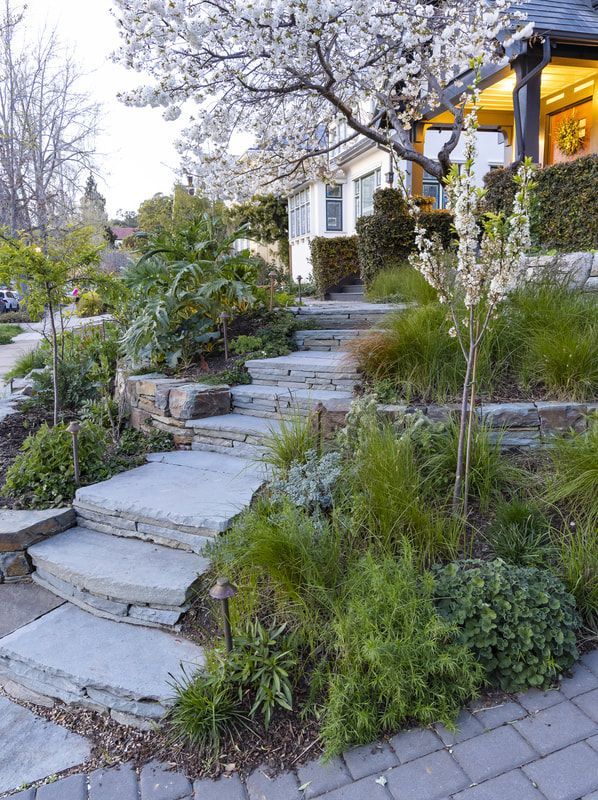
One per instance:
[(299, 214), (334, 208), (364, 189)]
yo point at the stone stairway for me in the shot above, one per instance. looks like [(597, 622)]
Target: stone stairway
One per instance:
[(131, 565)]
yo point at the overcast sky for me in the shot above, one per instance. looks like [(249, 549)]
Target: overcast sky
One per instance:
[(138, 157)]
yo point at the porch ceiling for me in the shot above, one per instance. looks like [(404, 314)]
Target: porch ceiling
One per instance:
[(555, 78)]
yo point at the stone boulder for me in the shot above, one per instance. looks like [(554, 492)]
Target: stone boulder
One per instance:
[(198, 400)]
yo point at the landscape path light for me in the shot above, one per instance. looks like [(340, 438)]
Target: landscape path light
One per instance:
[(272, 276), (299, 279), (223, 590), (73, 429), (224, 317)]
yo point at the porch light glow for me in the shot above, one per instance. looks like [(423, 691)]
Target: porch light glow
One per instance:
[(554, 99), (582, 86)]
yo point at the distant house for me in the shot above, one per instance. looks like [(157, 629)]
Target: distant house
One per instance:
[(543, 85), (120, 233)]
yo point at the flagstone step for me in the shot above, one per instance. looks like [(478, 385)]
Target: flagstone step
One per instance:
[(327, 339), (82, 660), (275, 402), (238, 434), (126, 580), (178, 499), (344, 313), (306, 370)]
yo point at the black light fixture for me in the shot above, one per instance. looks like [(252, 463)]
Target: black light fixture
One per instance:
[(389, 177), (223, 590)]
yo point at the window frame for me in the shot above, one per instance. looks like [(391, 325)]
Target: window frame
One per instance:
[(334, 200), (358, 192)]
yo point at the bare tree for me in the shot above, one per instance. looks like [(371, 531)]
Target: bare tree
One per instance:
[(47, 130)]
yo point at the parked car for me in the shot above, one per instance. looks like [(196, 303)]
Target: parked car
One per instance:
[(11, 300)]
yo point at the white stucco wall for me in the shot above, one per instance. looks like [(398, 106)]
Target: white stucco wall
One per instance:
[(491, 153)]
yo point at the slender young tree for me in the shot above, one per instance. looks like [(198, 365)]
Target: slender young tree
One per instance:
[(287, 73), (488, 265)]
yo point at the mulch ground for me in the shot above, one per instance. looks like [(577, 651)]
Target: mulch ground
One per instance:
[(14, 429)]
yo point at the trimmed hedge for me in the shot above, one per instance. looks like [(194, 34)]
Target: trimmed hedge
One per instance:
[(387, 237), (565, 201), (332, 259)]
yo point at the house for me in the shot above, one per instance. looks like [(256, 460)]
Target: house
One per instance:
[(546, 87), (120, 233)]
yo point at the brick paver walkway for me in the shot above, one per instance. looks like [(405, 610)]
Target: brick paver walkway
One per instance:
[(541, 746)]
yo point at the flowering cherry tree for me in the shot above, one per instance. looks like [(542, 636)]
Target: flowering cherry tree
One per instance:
[(484, 271), (287, 71)]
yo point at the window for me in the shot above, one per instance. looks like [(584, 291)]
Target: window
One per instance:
[(433, 188), (334, 208), (365, 187), (299, 214)]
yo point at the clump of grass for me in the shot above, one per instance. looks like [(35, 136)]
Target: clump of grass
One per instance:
[(34, 359), (520, 534), (401, 284), (8, 332), (578, 566), (396, 659), (491, 474), (291, 443), (573, 478), (388, 497), (206, 714)]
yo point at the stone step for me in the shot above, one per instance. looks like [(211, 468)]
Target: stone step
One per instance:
[(126, 580), (235, 433), (274, 402), (179, 499), (306, 370), (327, 339), (344, 313), (82, 660), (19, 529), (347, 297)]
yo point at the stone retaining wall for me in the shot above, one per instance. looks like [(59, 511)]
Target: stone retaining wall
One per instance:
[(156, 401), (327, 340), (580, 268), (19, 530), (519, 425)]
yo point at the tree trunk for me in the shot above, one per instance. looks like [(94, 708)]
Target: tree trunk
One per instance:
[(54, 362), (470, 424), (462, 428)]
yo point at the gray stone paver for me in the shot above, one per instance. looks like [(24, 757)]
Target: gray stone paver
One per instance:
[(319, 778), (113, 784), (510, 786), (72, 788), (467, 727), (419, 742), (370, 758), (556, 727), (590, 660), (492, 716), (225, 788), (493, 753), (535, 700), (157, 782), (428, 778), (566, 775), (363, 789), (588, 703), (593, 742), (263, 785), (581, 681)]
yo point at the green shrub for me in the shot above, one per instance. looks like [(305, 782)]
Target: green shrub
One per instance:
[(578, 567), (42, 474), (90, 305), (242, 345), (387, 237), (401, 285), (520, 622), (563, 195), (573, 477), (311, 485), (520, 534), (333, 258), (15, 317), (396, 659), (260, 668), (206, 713), (8, 332)]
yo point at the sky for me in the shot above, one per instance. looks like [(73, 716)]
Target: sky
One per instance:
[(137, 156)]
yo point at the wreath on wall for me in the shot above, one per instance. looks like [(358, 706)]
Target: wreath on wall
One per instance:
[(570, 136)]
